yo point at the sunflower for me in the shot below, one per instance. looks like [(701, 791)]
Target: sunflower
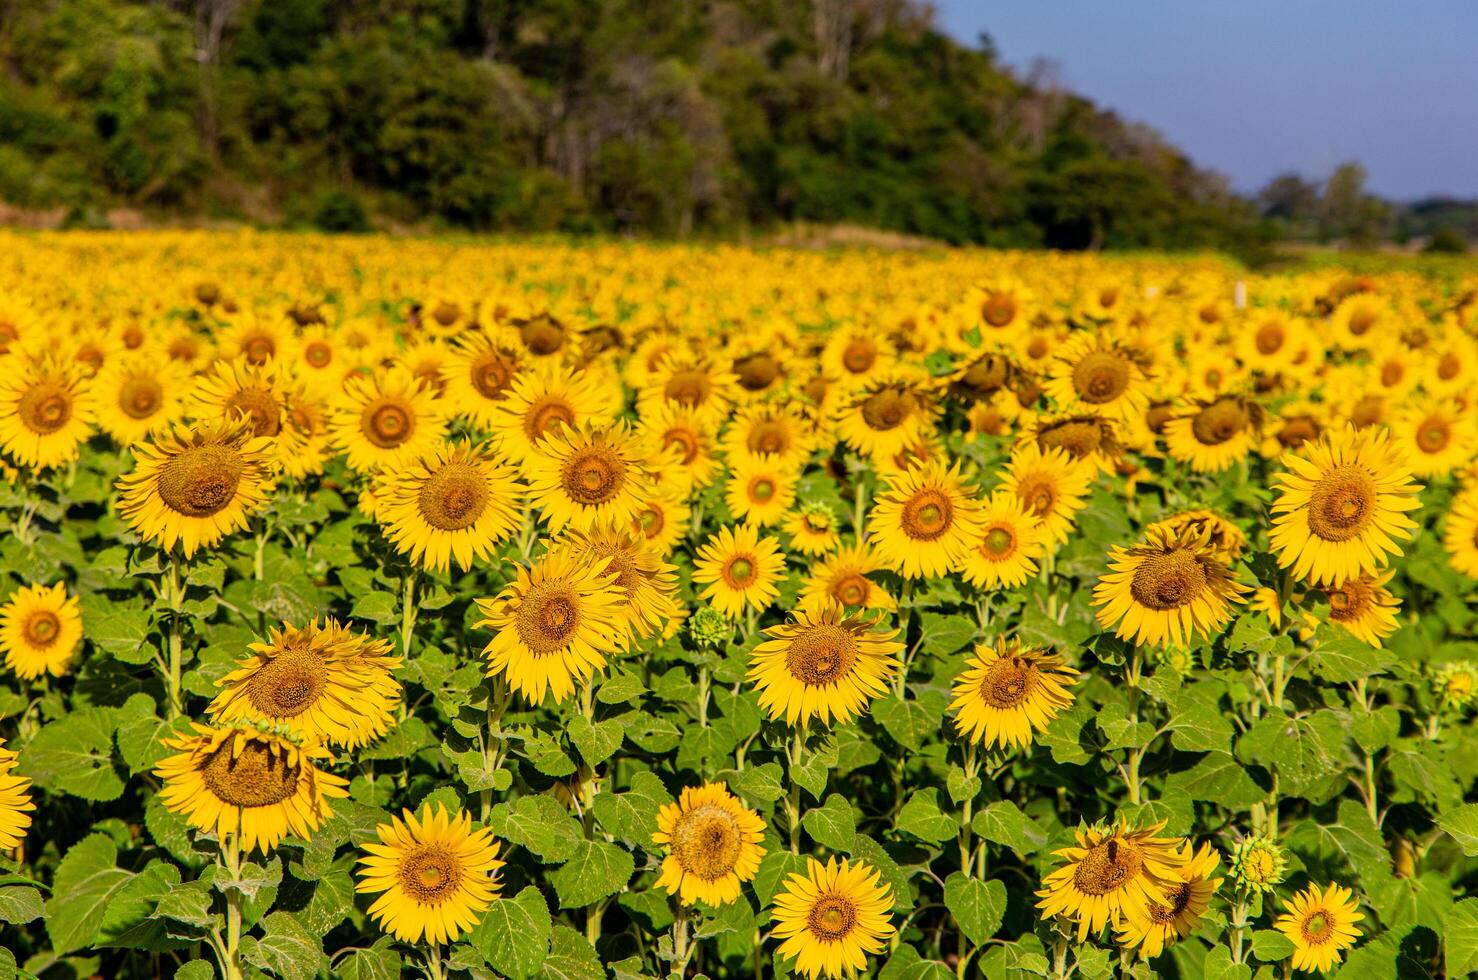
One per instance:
[(39, 630), (196, 484), (778, 430), (386, 420), (1460, 532), (304, 446), (714, 845), (1361, 320), (257, 340), (541, 337), (438, 875), (1003, 553), (886, 417), (587, 476), (1095, 373), (1320, 924), (812, 528), (741, 569), (1216, 434), (1009, 692), (1179, 909), (554, 626), (1052, 484), (457, 502), (1340, 507), (926, 521), (832, 917), (661, 519), (15, 801), (823, 663), (137, 396), (647, 584), (842, 578), (1086, 439), (185, 348), (1364, 606), (478, 376), (1268, 340), (1000, 304), (1113, 873), (541, 401), (685, 444), (46, 412), (1167, 589), (691, 381), (324, 682), (1291, 427), (1225, 536), (1435, 437), (242, 781), (239, 389), (760, 489), (855, 354)]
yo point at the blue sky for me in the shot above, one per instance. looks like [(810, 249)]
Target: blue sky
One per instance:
[(1259, 87)]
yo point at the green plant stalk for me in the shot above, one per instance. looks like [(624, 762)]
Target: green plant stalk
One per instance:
[(174, 640), (232, 965), (681, 949), (971, 766), (431, 963), (1239, 925)]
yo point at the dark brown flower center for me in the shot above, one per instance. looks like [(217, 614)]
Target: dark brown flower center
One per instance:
[(1108, 867), (823, 654), (1101, 376), (927, 515), (1008, 682), (548, 617), (1179, 898), (1361, 321), (686, 442), (832, 918), (256, 777), (887, 409), (446, 313), (491, 374), (859, 356), (689, 388), (1077, 437), (42, 628), (1342, 504), (1297, 430), (1269, 338), (45, 407), (999, 309), (258, 404), (454, 497), (388, 424), (1220, 421), (288, 684), (757, 371), (1433, 435), (593, 475), (543, 336), (258, 349), (140, 397), (768, 437), (318, 353), (1169, 580), (201, 480), (1317, 927), (431, 874), (706, 842), (546, 413)]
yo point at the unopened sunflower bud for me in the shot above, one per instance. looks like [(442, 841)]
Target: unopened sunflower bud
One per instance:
[(1257, 864), (1456, 683), (708, 628)]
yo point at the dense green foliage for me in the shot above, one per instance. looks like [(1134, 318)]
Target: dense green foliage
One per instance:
[(606, 115)]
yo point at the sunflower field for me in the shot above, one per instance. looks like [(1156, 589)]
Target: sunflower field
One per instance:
[(381, 608)]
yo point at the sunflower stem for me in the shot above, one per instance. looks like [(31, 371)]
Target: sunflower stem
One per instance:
[(231, 848), (971, 767), (1238, 924), (173, 596), (434, 969), (680, 947), (859, 510)]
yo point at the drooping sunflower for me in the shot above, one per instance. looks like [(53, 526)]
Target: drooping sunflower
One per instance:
[(740, 569), (386, 420), (1167, 590), (1435, 437), (887, 416), (1321, 925), (1113, 873), (1008, 692), (1052, 484), (925, 522), (46, 412), (1225, 536), (1179, 910), (437, 874), (1342, 505), (760, 489), (1087, 439), (1004, 553), (812, 527), (321, 682), (456, 503), (544, 400), (1215, 434), (823, 663), (647, 583), (1460, 532), (15, 801), (587, 476), (842, 578), (138, 395), (40, 628), (196, 484), (714, 845), (830, 918), (1364, 606), (554, 627), (242, 781), (479, 374)]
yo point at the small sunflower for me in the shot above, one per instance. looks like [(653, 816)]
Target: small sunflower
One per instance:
[(46, 413), (925, 522), (386, 420), (856, 354), (1216, 434), (691, 381), (1456, 683), (1008, 692), (714, 845), (541, 401), (842, 578), (1094, 372), (1224, 536), (456, 503), (760, 489), (479, 375), (647, 583), (39, 630), (555, 626), (1052, 484), (1340, 507), (1179, 909), (886, 417), (1167, 590), (823, 663), (740, 569), (242, 390), (1364, 606), (320, 682), (778, 430), (661, 518), (257, 340), (830, 918), (1086, 439), (1435, 437), (15, 801), (1320, 924), (587, 476), (1004, 552), (196, 484), (242, 781), (684, 442), (1460, 532), (436, 873), (812, 527), (1112, 874), (137, 396)]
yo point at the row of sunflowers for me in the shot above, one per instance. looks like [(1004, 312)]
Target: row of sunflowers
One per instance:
[(571, 610)]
